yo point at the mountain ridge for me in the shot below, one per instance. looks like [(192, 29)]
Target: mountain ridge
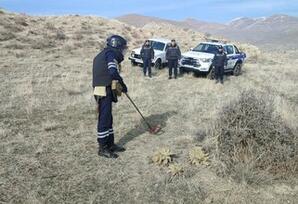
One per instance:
[(278, 30)]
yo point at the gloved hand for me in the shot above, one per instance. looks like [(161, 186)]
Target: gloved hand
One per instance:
[(124, 87)]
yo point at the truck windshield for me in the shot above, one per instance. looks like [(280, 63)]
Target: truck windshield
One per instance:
[(209, 48), (157, 45)]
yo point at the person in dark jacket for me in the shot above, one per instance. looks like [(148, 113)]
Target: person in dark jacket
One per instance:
[(105, 70), (147, 54), (219, 62), (173, 54)]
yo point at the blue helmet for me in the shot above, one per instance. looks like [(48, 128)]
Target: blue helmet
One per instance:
[(117, 42)]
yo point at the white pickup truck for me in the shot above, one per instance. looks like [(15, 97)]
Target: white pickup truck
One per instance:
[(159, 46), (199, 59)]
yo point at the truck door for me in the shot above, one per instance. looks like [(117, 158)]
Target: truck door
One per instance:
[(229, 49), (164, 60)]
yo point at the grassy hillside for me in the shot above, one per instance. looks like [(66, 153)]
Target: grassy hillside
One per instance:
[(48, 120)]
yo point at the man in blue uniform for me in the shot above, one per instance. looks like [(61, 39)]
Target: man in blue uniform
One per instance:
[(147, 54), (105, 70), (219, 62), (173, 54)]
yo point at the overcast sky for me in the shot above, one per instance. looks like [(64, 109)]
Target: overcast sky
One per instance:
[(209, 10)]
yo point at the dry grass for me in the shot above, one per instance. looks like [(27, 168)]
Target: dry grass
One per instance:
[(6, 36), (253, 53), (48, 124)]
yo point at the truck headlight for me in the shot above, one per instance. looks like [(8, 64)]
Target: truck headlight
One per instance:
[(206, 60), (132, 54)]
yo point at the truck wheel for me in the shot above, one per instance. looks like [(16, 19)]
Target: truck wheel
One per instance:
[(133, 63), (211, 74), (237, 69), (158, 64)]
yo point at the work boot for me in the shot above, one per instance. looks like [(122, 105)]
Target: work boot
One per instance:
[(222, 82), (117, 148), (170, 77), (175, 77), (216, 81), (104, 151)]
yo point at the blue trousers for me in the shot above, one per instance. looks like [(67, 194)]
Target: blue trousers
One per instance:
[(173, 64), (105, 132), (219, 72), (147, 66)]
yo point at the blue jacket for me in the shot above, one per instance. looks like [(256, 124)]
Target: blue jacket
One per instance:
[(105, 68), (147, 52), (219, 60), (173, 53)]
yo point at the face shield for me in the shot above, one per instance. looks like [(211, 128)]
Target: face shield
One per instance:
[(124, 50)]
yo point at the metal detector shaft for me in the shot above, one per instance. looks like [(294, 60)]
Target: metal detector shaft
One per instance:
[(138, 111)]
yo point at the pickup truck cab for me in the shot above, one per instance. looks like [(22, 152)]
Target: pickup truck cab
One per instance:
[(199, 59), (159, 45)]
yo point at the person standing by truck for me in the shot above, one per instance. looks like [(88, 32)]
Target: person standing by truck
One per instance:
[(173, 54), (147, 54), (219, 62)]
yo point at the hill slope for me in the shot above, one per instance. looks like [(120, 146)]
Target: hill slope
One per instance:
[(190, 23), (277, 31)]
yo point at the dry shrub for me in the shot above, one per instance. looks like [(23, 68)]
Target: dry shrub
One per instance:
[(253, 139), (50, 26), (20, 54), (198, 156), (138, 43), (33, 32), (163, 157), (42, 44), (60, 35), (127, 28), (21, 21), (15, 46), (176, 169), (78, 36), (6, 36), (12, 27), (86, 29), (186, 29), (135, 35)]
